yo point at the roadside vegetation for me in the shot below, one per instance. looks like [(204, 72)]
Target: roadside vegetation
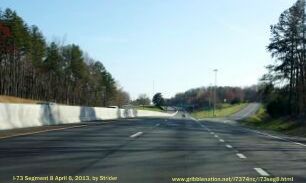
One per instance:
[(197, 99), (33, 68), (287, 125), (223, 110), (143, 103), (283, 88)]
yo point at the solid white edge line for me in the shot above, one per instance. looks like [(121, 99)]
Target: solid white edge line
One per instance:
[(136, 134), (42, 131), (194, 119), (261, 172), (276, 137), (174, 113), (298, 143), (203, 126), (242, 156), (229, 146)]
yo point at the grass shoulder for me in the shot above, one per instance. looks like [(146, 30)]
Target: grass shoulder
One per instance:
[(150, 108), (287, 125), (223, 110), (16, 100)]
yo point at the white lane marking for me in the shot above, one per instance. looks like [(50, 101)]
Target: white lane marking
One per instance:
[(136, 134), (194, 119), (157, 124), (229, 146), (203, 126), (221, 140), (242, 156), (261, 172), (174, 113), (212, 133), (216, 136), (298, 143), (42, 131), (276, 137)]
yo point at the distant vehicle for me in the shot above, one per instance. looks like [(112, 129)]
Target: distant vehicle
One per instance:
[(183, 115)]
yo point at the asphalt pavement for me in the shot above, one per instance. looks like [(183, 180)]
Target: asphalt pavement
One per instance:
[(154, 150)]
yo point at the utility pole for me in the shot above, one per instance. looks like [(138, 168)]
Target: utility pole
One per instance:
[(210, 99), (215, 90)]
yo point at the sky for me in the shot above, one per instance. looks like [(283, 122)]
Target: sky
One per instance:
[(166, 46)]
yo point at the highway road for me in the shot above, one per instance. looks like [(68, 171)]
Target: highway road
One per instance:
[(154, 150), (248, 111)]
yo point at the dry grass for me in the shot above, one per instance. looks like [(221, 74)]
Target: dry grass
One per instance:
[(224, 111), (16, 100)]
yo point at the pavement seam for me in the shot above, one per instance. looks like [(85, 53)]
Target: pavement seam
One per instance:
[(42, 131)]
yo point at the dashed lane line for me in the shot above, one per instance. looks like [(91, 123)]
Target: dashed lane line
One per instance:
[(241, 156), (136, 134), (221, 140), (261, 172), (228, 146)]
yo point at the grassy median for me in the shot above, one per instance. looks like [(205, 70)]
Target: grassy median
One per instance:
[(150, 108), (223, 111)]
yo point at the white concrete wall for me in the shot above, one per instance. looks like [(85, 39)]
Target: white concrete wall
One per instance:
[(29, 115)]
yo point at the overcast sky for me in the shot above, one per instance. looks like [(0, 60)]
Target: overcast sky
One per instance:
[(174, 43)]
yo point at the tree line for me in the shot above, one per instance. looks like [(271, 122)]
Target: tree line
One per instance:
[(284, 89), (30, 67), (199, 98)]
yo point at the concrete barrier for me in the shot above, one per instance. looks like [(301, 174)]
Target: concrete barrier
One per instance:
[(145, 113), (30, 115)]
